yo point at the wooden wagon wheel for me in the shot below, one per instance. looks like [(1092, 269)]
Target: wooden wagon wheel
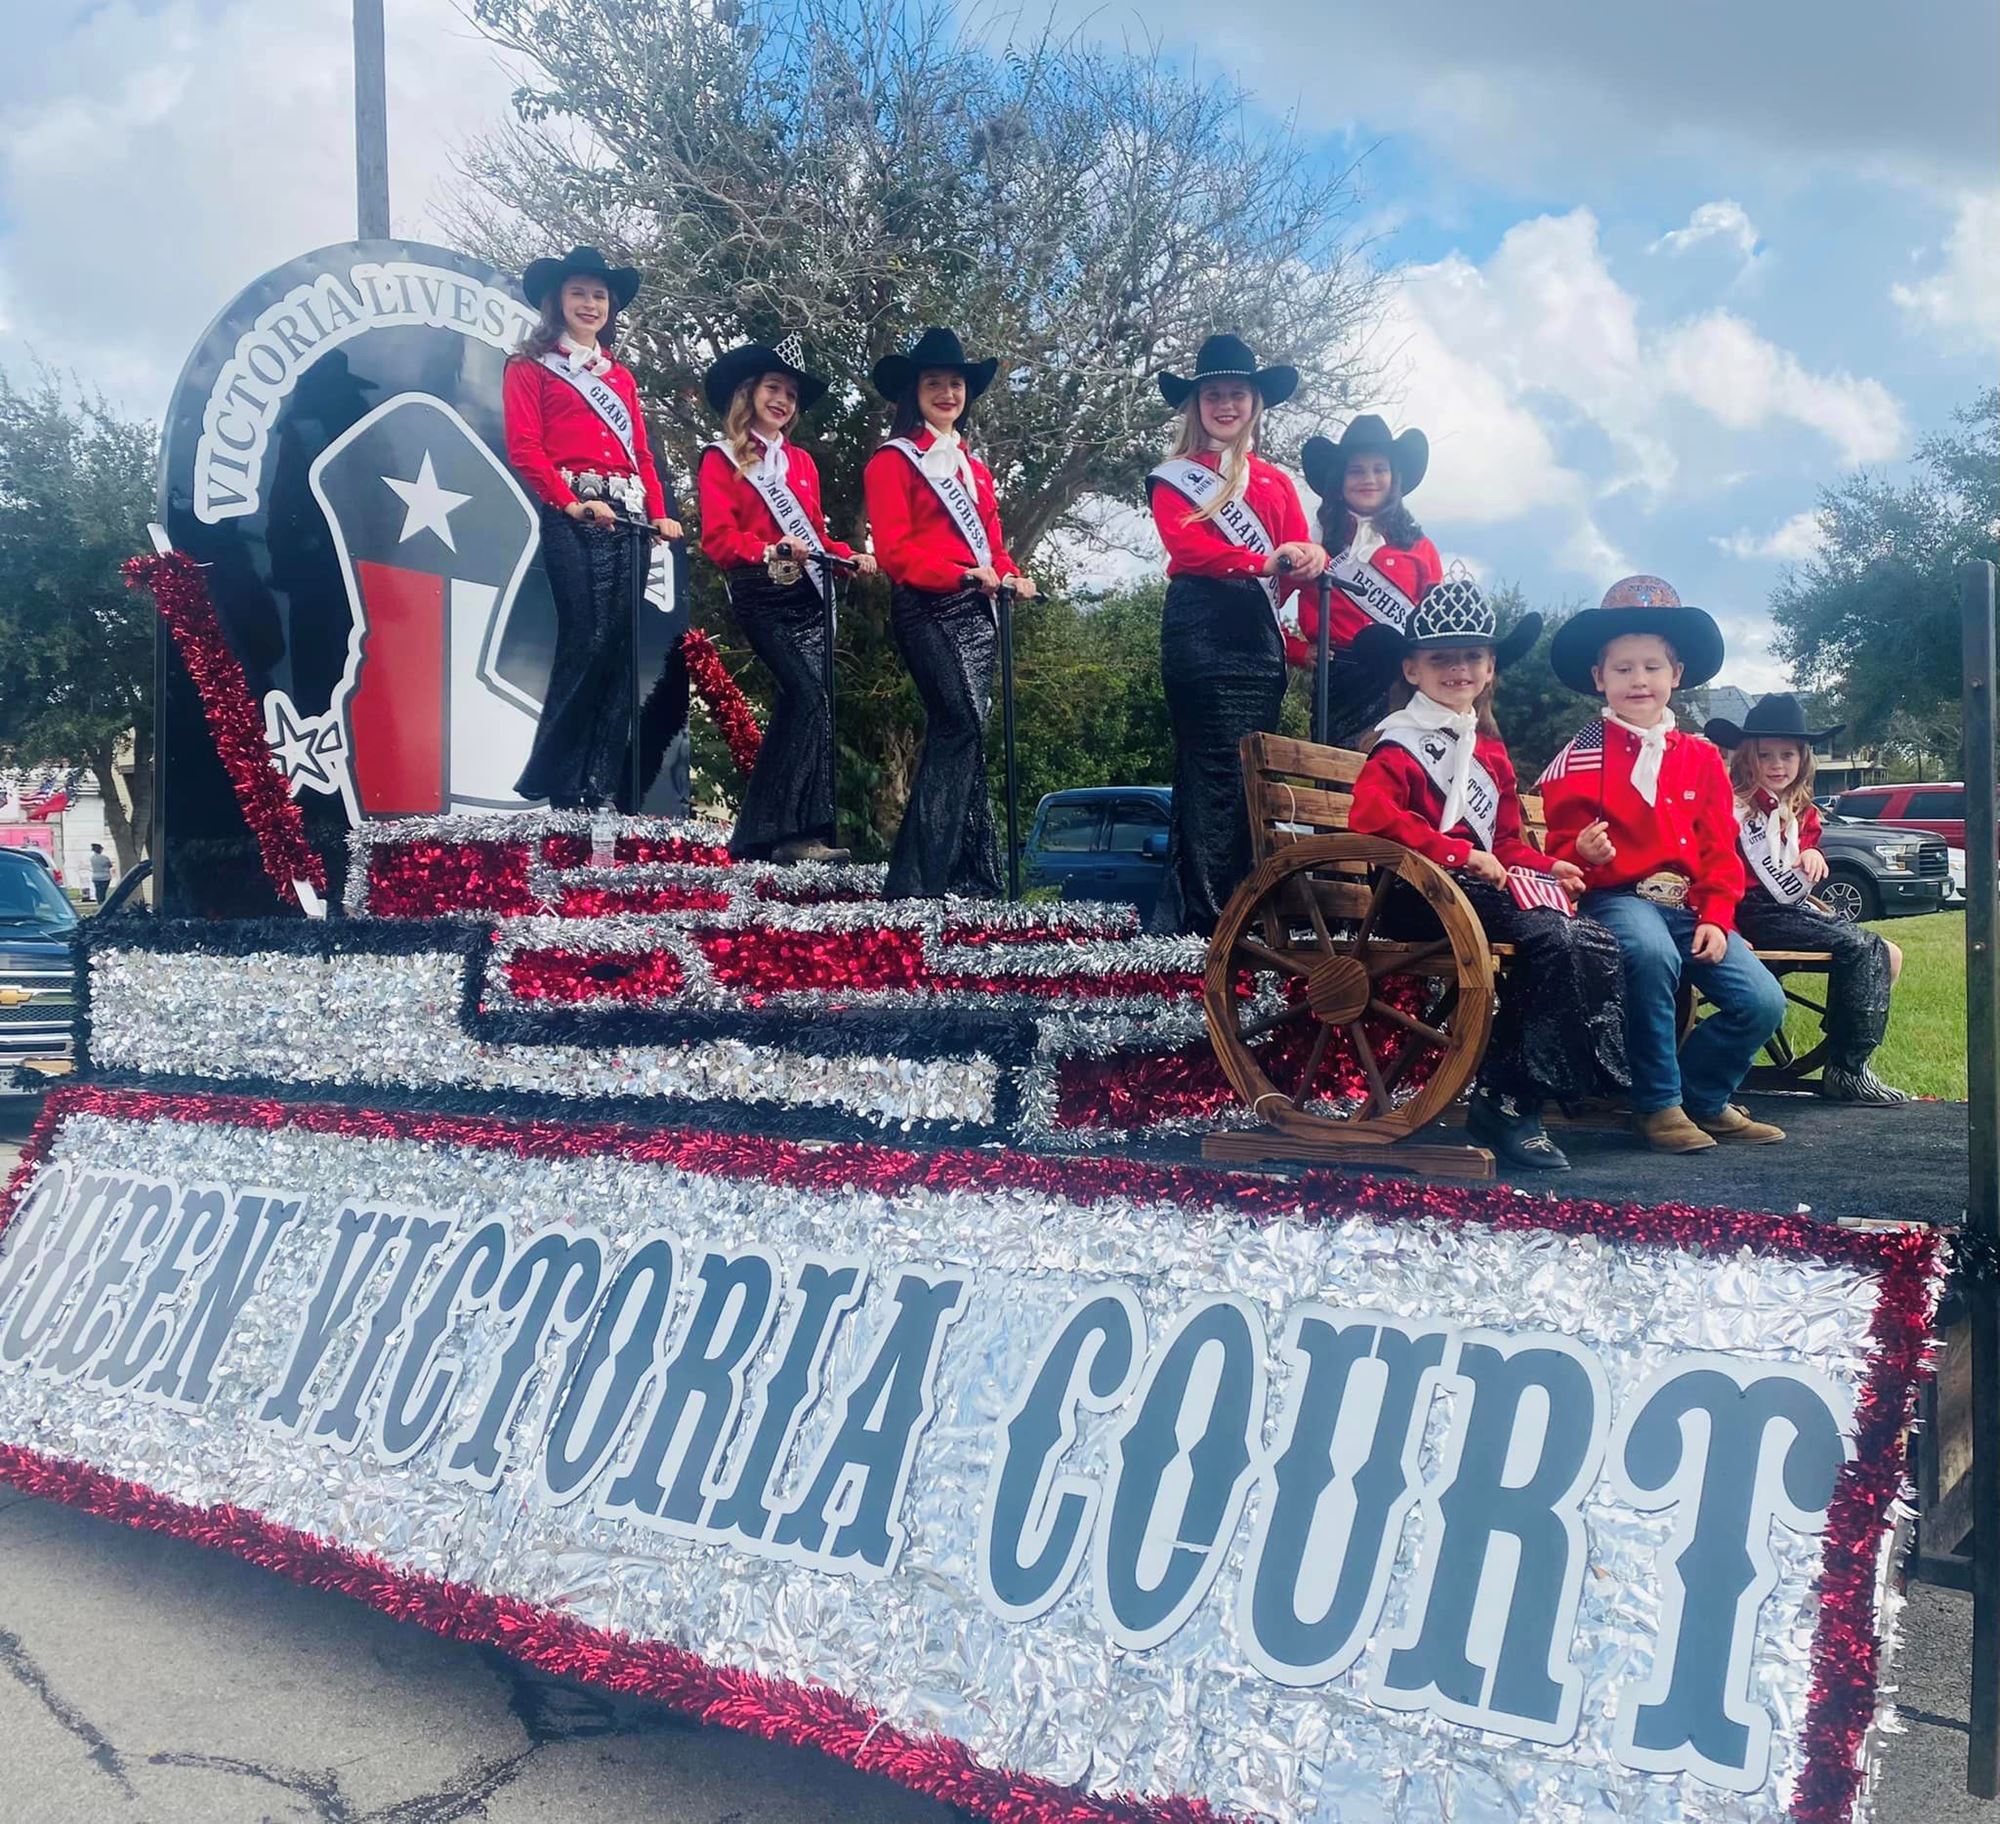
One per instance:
[(1310, 914)]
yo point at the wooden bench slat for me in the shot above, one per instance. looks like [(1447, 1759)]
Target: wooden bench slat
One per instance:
[(1278, 801), (1279, 754)]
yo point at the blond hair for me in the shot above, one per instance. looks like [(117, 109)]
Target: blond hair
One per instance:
[(1233, 460), (1743, 770), (736, 433)]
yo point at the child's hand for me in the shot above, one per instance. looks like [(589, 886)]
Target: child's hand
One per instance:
[(1812, 864), (1595, 844), (1482, 865), (667, 527), (1711, 943), (1569, 877)]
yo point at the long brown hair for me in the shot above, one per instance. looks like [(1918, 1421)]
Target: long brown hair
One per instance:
[(1743, 771), (1393, 520), (550, 329), (736, 424)]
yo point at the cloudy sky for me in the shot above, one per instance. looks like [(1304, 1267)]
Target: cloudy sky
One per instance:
[(1666, 270)]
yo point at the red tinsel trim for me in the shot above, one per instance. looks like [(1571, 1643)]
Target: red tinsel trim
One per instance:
[(1846, 1648), (180, 593), (431, 879), (726, 702), (561, 975), (608, 902), (569, 850)]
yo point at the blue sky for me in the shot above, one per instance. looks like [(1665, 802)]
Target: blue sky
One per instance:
[(1665, 272)]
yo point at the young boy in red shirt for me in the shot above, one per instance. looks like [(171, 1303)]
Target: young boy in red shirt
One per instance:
[(1647, 812)]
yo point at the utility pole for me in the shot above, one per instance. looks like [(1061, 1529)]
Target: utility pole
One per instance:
[(371, 123)]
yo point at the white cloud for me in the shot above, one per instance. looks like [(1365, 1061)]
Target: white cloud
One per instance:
[(1793, 542), (1962, 298), (1721, 220)]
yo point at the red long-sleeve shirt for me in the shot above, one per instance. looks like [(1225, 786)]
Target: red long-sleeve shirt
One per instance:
[(1395, 797), (1200, 547), (915, 541), (736, 524), (551, 426), (1810, 831), (1690, 827), (1413, 571)]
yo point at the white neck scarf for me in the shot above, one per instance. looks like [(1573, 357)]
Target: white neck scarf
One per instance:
[(1781, 831), (1426, 715), (770, 466), (1234, 486), (592, 360), (1366, 541), (1652, 750), (946, 457)]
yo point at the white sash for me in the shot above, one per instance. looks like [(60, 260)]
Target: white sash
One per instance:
[(1197, 483), (959, 506), (1432, 748), (601, 398), (1377, 597), (787, 509), (1786, 885)]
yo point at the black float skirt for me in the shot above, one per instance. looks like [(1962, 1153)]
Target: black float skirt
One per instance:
[(1222, 665), (947, 844), (790, 794)]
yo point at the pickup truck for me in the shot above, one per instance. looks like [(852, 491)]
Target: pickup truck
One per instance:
[(37, 975)]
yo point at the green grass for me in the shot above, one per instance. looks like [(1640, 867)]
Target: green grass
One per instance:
[(1925, 1050)]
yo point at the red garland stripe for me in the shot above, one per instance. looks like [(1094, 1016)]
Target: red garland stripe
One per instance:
[(725, 700), (181, 595), (1846, 1646)]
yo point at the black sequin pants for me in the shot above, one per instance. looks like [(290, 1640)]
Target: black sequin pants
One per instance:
[(947, 843), (585, 732), (790, 794), (1857, 989)]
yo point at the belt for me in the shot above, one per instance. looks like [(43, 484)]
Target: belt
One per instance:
[(626, 491), (1665, 888)]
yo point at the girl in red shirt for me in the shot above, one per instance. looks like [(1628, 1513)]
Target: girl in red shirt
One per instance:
[(936, 527), (1438, 780), (761, 519), (1381, 561), (577, 437), (1778, 831), (1237, 549)]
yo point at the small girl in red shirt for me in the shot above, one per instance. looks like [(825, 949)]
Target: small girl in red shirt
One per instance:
[(1439, 781), (1381, 563), (761, 519), (577, 437), (936, 527), (1237, 551)]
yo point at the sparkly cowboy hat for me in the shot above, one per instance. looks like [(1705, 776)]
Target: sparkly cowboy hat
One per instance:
[(1229, 358), (894, 375), (1452, 613), (752, 362), (1325, 462), (1637, 604), (1781, 716), (544, 276)]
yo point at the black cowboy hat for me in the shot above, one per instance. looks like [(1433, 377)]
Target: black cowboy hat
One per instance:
[(1781, 716), (1325, 462), (1452, 613), (1229, 358), (752, 362), (1637, 604), (894, 375), (544, 276)]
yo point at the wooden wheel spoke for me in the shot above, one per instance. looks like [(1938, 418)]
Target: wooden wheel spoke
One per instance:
[(1281, 960), (1384, 881), (1267, 1022), (1318, 918), (1397, 1017), (1377, 1089), (1314, 1059)]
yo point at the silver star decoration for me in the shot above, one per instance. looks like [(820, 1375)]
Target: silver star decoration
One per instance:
[(302, 746), (426, 506)]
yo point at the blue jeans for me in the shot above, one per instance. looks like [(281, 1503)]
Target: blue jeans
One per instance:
[(1654, 943)]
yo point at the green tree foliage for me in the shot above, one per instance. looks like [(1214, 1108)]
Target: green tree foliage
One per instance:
[(1872, 617), (1536, 711), (76, 491), (850, 173)]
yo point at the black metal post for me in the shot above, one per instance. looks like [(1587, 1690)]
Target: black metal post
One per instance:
[(639, 540), (371, 123), (1323, 661), (1006, 602), (829, 623), (1982, 1216)]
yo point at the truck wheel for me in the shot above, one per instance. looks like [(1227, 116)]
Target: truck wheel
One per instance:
[(1850, 896)]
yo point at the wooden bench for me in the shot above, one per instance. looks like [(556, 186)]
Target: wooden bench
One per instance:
[(1310, 914)]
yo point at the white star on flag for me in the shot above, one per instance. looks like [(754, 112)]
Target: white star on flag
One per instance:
[(426, 506)]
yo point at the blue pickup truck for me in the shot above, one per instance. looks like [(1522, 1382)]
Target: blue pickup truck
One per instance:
[(37, 995), (1101, 842)]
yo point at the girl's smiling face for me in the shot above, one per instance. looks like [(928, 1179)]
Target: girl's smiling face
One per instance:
[(941, 396), (586, 308), (1366, 485), (1228, 408), (1635, 674), (774, 404), (1451, 675), (1775, 764)]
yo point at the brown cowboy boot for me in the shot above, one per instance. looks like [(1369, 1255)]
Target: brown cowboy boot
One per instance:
[(1668, 1130)]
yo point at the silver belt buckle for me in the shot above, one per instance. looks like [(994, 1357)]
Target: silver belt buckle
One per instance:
[(1666, 888)]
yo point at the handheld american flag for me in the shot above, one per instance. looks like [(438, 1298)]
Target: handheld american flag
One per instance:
[(1532, 888), (1583, 753)]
